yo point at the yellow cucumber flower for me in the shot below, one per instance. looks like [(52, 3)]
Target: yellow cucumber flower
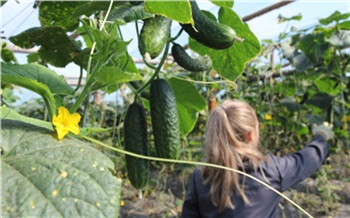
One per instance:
[(268, 117), (66, 122)]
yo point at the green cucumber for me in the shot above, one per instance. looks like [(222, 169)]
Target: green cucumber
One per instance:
[(208, 32), (136, 141), (165, 119), (185, 61), (154, 34)]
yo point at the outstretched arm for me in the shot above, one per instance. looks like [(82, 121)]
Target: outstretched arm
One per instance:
[(300, 165)]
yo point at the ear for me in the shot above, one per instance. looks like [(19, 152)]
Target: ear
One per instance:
[(250, 136)]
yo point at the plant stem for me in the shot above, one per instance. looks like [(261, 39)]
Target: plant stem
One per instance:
[(89, 76), (341, 72), (134, 91), (51, 108), (80, 78), (158, 68), (177, 35)]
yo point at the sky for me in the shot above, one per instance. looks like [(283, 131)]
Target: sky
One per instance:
[(19, 16)]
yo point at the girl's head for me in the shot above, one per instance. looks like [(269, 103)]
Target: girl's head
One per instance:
[(232, 138), (234, 123)]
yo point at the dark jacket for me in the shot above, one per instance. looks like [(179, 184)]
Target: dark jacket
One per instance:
[(281, 173)]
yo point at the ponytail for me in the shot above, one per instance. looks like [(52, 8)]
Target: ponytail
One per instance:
[(227, 144)]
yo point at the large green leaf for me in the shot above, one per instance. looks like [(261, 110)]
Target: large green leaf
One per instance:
[(336, 16), (340, 39), (313, 46), (57, 84), (302, 129), (2, 2), (301, 62), (282, 18), (230, 63), (34, 86), (56, 47), (57, 13), (130, 70), (6, 54), (90, 8), (44, 177), (344, 25), (110, 75), (128, 13), (11, 114), (109, 44), (179, 10), (220, 3), (327, 85), (188, 102), (291, 104), (320, 100)]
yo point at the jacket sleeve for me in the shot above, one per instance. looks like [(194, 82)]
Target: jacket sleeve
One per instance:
[(190, 206), (300, 165)]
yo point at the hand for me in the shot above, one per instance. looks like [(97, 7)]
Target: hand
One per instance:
[(325, 129)]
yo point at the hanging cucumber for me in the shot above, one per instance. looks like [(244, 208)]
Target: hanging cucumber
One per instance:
[(165, 120), (209, 33), (154, 34), (185, 61), (135, 128)]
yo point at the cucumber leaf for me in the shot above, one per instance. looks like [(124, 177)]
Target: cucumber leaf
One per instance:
[(188, 102), (11, 114), (344, 25), (302, 129), (291, 104), (320, 100), (90, 8), (129, 13), (230, 62), (179, 10), (57, 13), (57, 84), (6, 54), (130, 70), (44, 177), (336, 16), (2, 2), (33, 57), (329, 86), (313, 46), (220, 3), (340, 39), (34, 86), (57, 48), (109, 44), (110, 75)]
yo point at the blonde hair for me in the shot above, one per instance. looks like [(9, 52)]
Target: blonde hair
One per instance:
[(227, 144)]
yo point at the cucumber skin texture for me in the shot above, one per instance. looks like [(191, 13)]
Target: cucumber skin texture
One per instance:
[(154, 34), (165, 119), (136, 141), (210, 33), (185, 61)]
